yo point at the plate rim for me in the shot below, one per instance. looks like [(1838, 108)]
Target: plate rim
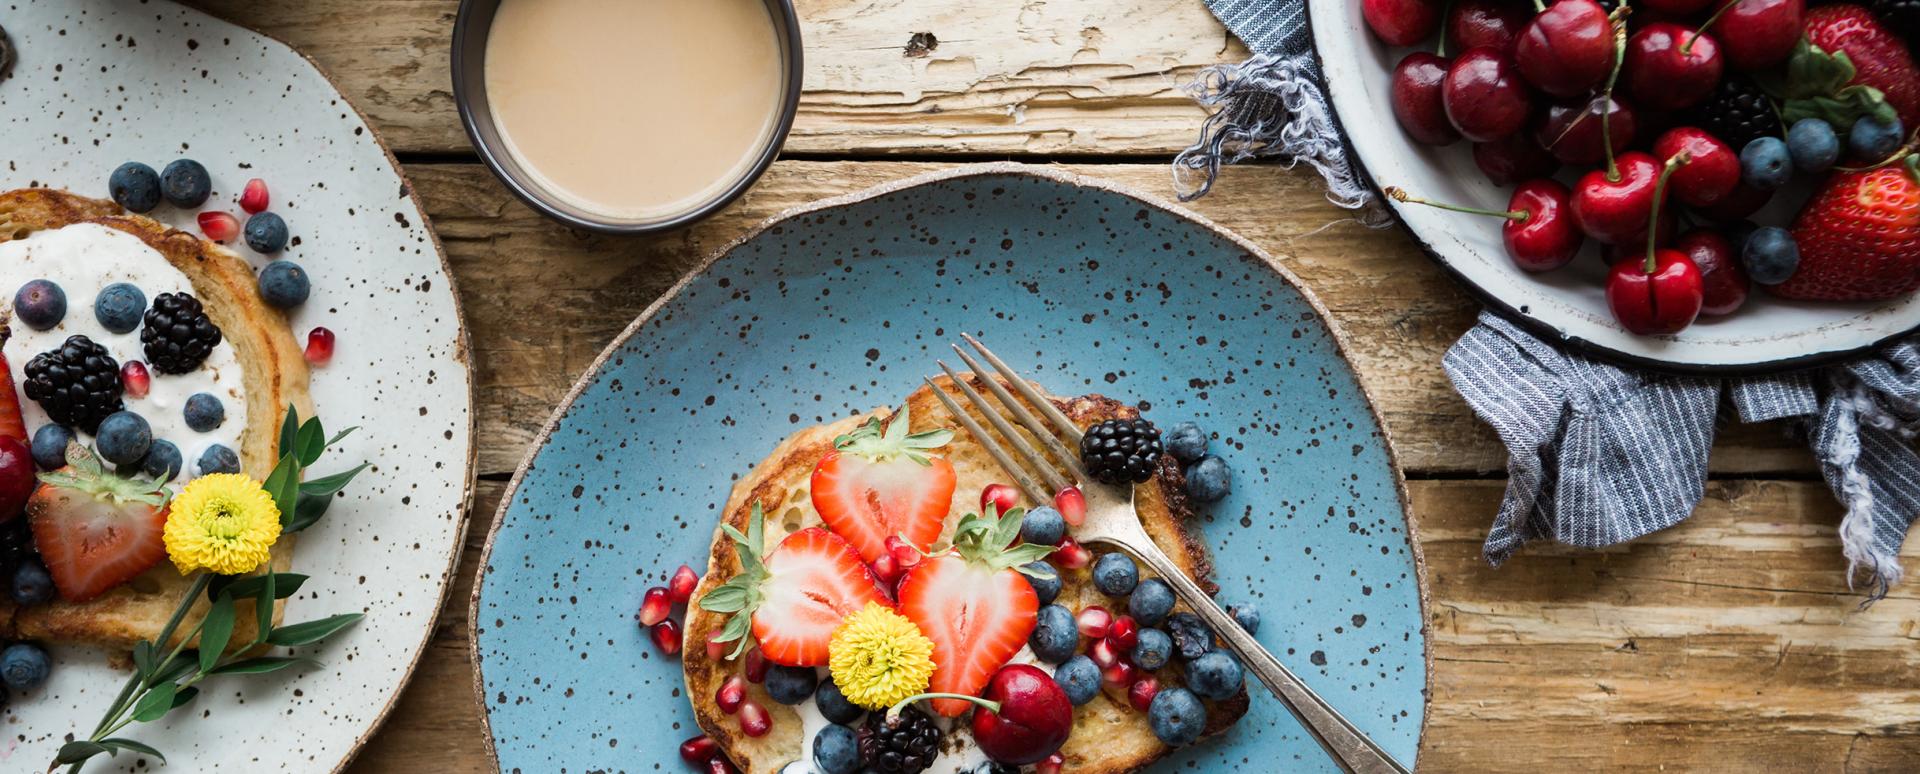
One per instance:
[(999, 168)]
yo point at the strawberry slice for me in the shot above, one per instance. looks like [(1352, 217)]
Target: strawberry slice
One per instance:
[(974, 604), (95, 530), (11, 423), (794, 599), (878, 484)]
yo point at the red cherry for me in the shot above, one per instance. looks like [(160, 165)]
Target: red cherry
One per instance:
[(1484, 96), (1094, 622), (1724, 284), (219, 226), (1712, 171), (699, 750), (1496, 25), (253, 198), (1513, 159), (1003, 497), (1572, 132), (135, 379), (1615, 210), (655, 606), (1665, 300), (319, 347), (1141, 694), (1669, 66), (1401, 22), (680, 588), (1031, 721), (1539, 232), (1757, 34), (1739, 205), (1123, 635), (666, 637), (1567, 49), (754, 720), (1416, 98), (754, 665), (17, 477), (1072, 505)]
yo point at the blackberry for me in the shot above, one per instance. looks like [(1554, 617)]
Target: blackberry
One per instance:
[(77, 385), (1901, 16), (905, 744), (16, 544), (1737, 112), (178, 335), (1121, 451)]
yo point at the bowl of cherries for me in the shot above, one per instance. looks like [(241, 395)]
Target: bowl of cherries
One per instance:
[(1718, 186)]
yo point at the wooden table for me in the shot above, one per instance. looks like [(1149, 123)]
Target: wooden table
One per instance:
[(1730, 642)]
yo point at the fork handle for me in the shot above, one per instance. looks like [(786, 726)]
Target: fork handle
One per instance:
[(1350, 748)]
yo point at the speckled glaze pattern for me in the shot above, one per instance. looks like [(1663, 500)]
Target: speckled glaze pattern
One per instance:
[(99, 82), (843, 306)]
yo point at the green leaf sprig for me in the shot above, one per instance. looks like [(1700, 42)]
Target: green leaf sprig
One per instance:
[(740, 595)]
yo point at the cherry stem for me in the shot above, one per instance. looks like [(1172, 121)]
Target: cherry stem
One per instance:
[(1400, 195), (1659, 197), (991, 705), (1686, 49), (1440, 49), (1606, 108), (1539, 7)]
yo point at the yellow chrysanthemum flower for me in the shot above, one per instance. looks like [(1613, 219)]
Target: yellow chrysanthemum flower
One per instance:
[(222, 522), (879, 658)]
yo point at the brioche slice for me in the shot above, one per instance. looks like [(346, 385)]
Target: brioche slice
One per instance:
[(1108, 734), (275, 375)]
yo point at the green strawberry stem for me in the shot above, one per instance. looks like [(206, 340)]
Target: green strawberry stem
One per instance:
[(1400, 195), (1659, 197), (990, 705), (1687, 48), (1913, 166), (1613, 78)]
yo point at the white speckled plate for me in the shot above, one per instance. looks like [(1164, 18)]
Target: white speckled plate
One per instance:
[(99, 82)]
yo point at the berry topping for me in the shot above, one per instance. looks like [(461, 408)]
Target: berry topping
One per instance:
[(880, 483), (1079, 677), (77, 385), (135, 186), (754, 666), (794, 599), (1737, 112), (1043, 525), (731, 694), (1186, 442), (24, 666), (834, 705), (754, 720), (905, 742), (185, 183), (266, 232), (791, 685), (253, 199), (40, 304), (1115, 574), (654, 606), (1176, 716), (124, 438), (319, 347), (974, 603), (1141, 694), (1071, 555), (1121, 451), (1124, 635), (1095, 621), (284, 284), (1209, 480), (119, 306), (1151, 650), (697, 750), (94, 529), (204, 412), (217, 459), (1046, 585), (1858, 237), (32, 585), (1214, 675), (1814, 145), (1054, 637), (666, 637), (836, 750), (50, 446), (680, 587), (16, 477), (1072, 505), (135, 379), (1000, 497), (1191, 637), (219, 226), (1152, 600), (178, 335), (163, 461)]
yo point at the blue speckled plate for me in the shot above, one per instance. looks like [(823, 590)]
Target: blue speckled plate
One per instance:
[(842, 306)]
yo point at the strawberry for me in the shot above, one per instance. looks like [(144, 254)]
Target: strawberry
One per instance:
[(878, 484), (796, 597), (1879, 58), (974, 604), (1859, 236), (11, 424), (96, 530)]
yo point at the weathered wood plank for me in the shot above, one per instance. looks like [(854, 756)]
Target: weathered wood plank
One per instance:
[(1728, 643), (1044, 77)]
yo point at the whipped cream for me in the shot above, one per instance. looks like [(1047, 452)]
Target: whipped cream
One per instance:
[(958, 752), (82, 259)]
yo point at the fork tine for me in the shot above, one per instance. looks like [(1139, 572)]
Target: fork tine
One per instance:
[(1060, 422), (1012, 468), (1032, 423), (1033, 456)]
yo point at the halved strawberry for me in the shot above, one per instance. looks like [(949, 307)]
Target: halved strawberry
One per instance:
[(794, 599), (96, 530), (974, 604), (11, 423), (878, 484)]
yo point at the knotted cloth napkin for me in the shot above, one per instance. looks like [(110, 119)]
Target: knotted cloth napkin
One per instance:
[(1597, 454)]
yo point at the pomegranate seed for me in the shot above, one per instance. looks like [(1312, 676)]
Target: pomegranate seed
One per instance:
[(1000, 496), (1095, 622), (136, 380), (680, 589), (1071, 555), (320, 347), (655, 606), (754, 720), (717, 650), (253, 198), (1103, 654), (1120, 674), (886, 569), (1124, 635), (1051, 765), (1072, 505), (731, 694), (1142, 693), (721, 765), (756, 666), (666, 637), (219, 226), (903, 553), (699, 750)]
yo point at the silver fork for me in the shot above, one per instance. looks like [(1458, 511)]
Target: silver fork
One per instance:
[(1111, 520)]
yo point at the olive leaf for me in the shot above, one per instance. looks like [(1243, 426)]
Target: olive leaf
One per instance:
[(156, 702), (261, 665), (215, 630), (310, 632), (79, 750), (116, 744), (285, 584)]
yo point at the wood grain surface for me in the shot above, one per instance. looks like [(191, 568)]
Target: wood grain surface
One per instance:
[(1729, 643)]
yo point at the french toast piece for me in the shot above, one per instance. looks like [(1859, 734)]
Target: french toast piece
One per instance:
[(1108, 735), (275, 374)]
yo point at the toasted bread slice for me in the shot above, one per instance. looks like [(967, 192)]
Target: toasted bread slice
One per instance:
[(1108, 736), (275, 375)]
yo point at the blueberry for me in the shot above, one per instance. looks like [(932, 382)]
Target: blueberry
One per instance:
[(834, 705), (1152, 600), (1055, 634), (24, 666), (1765, 163), (266, 233), (1871, 140), (1813, 145), (284, 284), (836, 750), (1080, 678), (791, 685), (40, 304), (31, 584), (1177, 716), (1247, 616), (119, 307), (205, 412), (50, 446), (1115, 574), (1209, 479), (1044, 579), (1043, 526), (218, 459), (135, 186), (1152, 649), (1215, 675), (1191, 636), (162, 462), (124, 438), (185, 183), (1186, 442), (1771, 255)]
